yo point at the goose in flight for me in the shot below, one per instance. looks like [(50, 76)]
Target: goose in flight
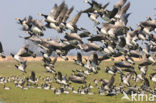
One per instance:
[(126, 78), (73, 36), (89, 47), (33, 78), (54, 13), (31, 25), (108, 15), (25, 52), (1, 51), (71, 25), (109, 85), (22, 66), (49, 65), (58, 21), (79, 59), (122, 11), (65, 17)]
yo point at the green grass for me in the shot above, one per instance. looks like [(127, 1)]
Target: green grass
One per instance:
[(17, 95)]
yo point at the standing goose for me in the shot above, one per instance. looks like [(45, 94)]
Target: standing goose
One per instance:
[(57, 92), (1, 51), (74, 91), (6, 88)]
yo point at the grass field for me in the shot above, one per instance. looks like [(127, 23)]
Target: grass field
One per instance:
[(34, 95)]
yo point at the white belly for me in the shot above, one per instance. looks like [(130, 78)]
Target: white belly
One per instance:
[(70, 27), (52, 25), (50, 19), (103, 31), (35, 29)]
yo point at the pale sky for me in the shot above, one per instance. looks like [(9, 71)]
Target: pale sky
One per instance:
[(11, 9)]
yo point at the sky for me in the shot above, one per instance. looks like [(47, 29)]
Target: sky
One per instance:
[(11, 9)]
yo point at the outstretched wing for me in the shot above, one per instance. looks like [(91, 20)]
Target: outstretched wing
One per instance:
[(32, 77), (79, 57), (75, 19), (67, 14), (54, 61), (1, 48)]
